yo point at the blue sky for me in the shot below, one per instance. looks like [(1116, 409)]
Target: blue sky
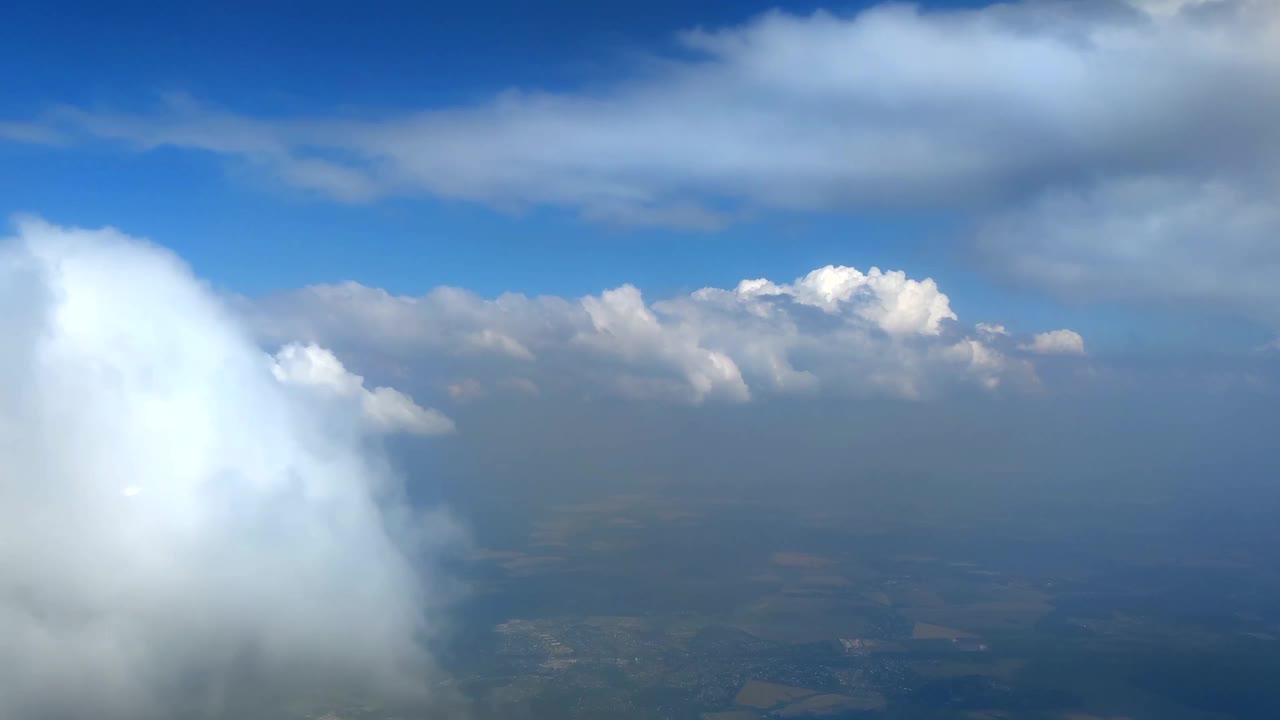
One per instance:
[(277, 57), (272, 60), (247, 232)]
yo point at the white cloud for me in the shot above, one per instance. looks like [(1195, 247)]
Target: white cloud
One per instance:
[(892, 104), (1151, 239), (834, 330), (1109, 149), (392, 411), (180, 533), (385, 409), (312, 365), (488, 339), (621, 323), (983, 361), (897, 304), (1056, 342)]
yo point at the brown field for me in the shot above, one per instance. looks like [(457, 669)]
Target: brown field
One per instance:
[(761, 694), (928, 631), (820, 705)]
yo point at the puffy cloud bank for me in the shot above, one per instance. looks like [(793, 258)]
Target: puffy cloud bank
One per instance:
[(384, 408), (182, 534), (837, 330)]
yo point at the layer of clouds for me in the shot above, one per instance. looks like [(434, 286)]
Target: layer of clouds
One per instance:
[(1111, 149), (385, 409), (181, 534), (893, 105), (836, 330)]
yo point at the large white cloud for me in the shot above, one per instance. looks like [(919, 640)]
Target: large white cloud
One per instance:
[(386, 409), (179, 531), (835, 330), (891, 300), (894, 104), (621, 323)]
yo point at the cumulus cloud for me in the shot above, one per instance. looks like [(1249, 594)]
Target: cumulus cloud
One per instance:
[(386, 409), (621, 323), (836, 330), (895, 303), (1056, 342), (181, 534)]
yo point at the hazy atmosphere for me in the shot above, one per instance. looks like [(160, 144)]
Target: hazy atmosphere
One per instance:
[(713, 361)]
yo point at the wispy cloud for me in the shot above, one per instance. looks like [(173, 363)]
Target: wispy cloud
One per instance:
[(1115, 114), (30, 132)]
